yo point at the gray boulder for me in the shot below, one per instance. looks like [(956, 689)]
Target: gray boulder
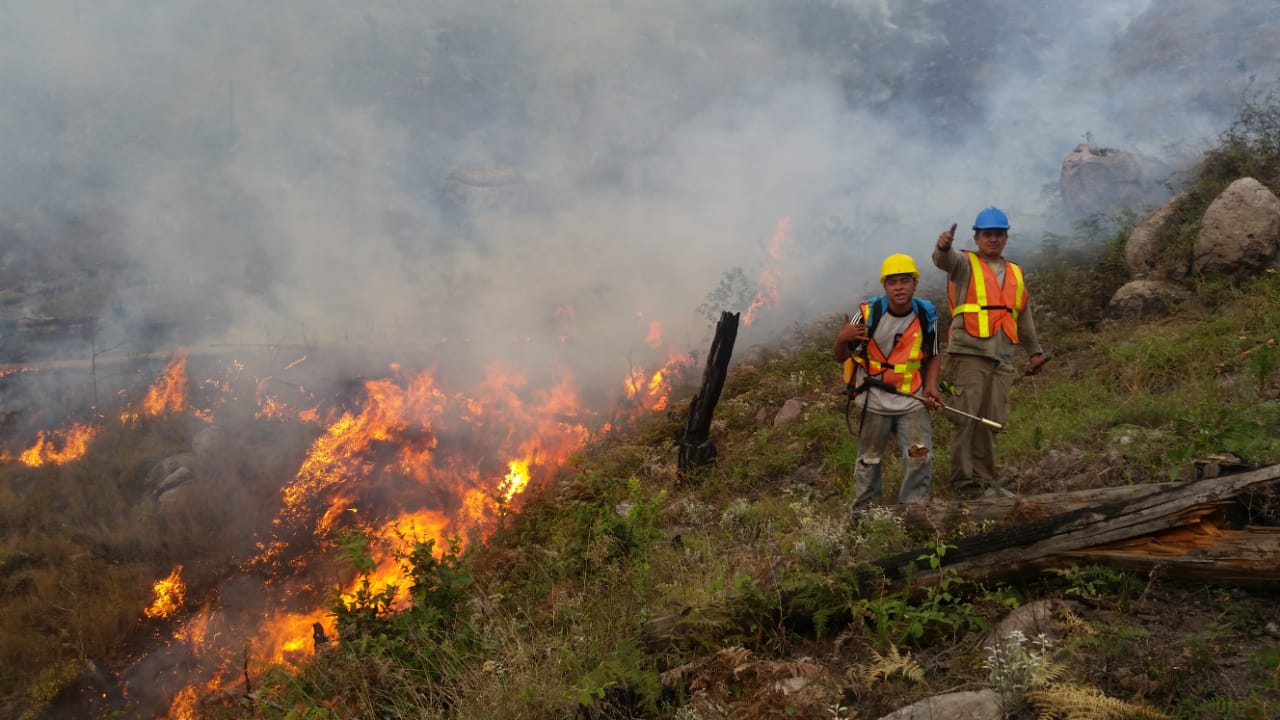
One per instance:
[(790, 412), (1239, 232), (1146, 298), (169, 473), (1146, 251), (969, 705)]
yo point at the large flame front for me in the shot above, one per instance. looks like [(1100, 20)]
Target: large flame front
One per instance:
[(406, 462), (382, 470)]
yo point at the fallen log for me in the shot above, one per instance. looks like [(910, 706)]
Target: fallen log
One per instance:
[(1199, 531), (1111, 531), (1020, 508)]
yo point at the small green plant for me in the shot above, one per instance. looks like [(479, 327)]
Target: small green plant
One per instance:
[(901, 619), (842, 460), (440, 584), (1262, 366), (1091, 582), (1267, 660)]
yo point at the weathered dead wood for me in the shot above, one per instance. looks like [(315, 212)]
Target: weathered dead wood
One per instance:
[(1204, 553), (1011, 510), (1008, 552), (696, 448)]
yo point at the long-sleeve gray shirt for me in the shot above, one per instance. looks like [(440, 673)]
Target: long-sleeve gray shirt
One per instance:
[(998, 346)]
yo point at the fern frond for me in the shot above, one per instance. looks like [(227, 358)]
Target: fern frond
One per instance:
[(1048, 674), (884, 666), (1081, 702), (1075, 626)]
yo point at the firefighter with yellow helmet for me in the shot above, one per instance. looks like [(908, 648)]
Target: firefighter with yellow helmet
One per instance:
[(890, 353), (990, 320)]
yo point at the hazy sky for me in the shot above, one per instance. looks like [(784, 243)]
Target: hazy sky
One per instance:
[(392, 173)]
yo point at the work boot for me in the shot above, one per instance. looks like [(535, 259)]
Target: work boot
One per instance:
[(995, 490), (862, 503)]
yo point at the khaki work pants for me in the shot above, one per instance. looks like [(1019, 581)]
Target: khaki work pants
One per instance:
[(982, 389)]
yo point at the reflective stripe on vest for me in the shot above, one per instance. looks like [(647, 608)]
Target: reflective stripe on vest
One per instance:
[(901, 368), (986, 311)]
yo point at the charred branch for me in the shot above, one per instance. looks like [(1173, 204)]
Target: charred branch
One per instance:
[(696, 448)]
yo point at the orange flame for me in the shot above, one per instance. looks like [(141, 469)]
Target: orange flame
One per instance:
[(654, 339), (653, 392), (186, 706), (57, 447), (768, 293), (170, 594), (169, 394), (344, 452), (516, 479)]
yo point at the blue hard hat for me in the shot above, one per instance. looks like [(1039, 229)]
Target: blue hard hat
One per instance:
[(991, 218)]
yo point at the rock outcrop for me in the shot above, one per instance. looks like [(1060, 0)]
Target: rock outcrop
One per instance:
[(1239, 232), (1105, 181), (1239, 236)]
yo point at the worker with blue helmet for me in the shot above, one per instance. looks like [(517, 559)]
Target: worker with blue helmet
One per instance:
[(991, 319)]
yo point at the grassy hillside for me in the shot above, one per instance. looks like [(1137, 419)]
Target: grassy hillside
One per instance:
[(623, 590)]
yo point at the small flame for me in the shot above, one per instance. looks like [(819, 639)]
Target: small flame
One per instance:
[(57, 447), (167, 395), (170, 594), (768, 293), (652, 392), (654, 339)]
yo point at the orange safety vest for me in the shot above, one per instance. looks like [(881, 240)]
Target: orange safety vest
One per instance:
[(901, 368), (986, 311)]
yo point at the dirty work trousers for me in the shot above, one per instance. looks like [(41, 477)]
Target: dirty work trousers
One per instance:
[(982, 389), (914, 434)]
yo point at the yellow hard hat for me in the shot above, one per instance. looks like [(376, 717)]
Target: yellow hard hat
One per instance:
[(898, 264)]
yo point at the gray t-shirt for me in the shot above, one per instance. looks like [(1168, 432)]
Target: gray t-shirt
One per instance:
[(888, 330)]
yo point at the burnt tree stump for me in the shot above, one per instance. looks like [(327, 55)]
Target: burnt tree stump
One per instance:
[(696, 448)]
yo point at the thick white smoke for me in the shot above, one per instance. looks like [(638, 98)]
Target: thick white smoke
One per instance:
[(437, 181)]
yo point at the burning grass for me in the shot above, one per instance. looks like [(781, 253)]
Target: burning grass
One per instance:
[(190, 487)]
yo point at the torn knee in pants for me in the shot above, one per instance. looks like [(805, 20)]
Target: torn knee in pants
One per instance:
[(917, 455)]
